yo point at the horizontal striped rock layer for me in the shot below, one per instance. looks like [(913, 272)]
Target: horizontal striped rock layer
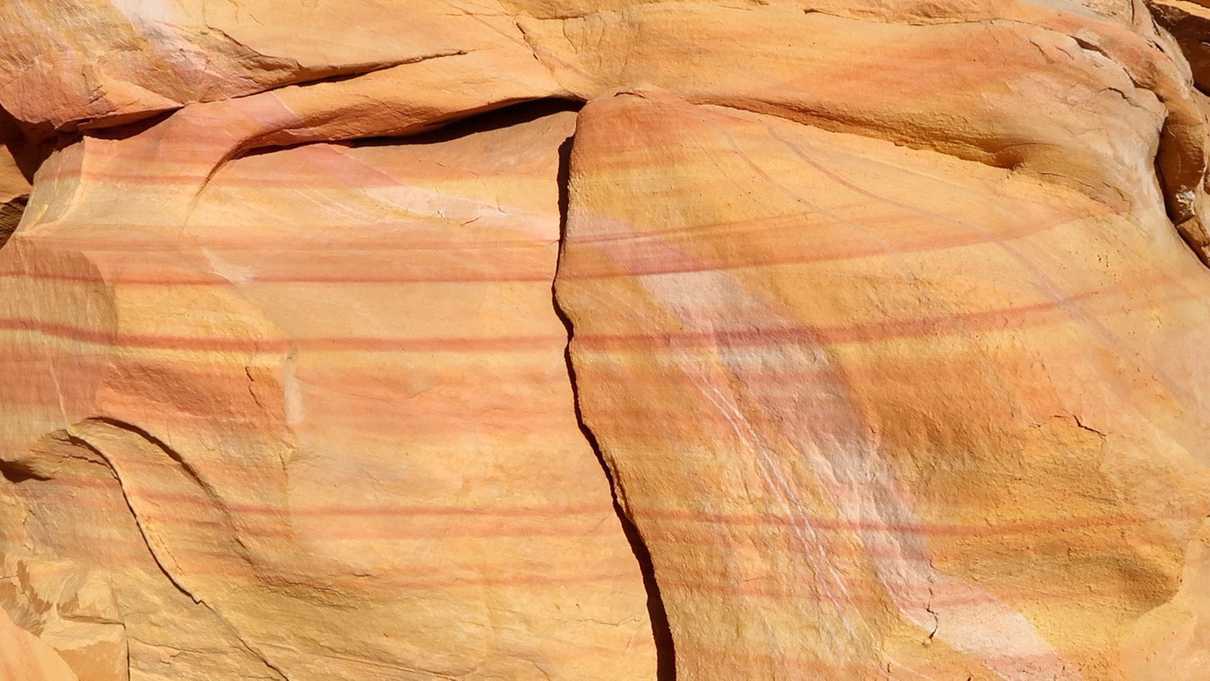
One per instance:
[(883, 412), (325, 427), (624, 341)]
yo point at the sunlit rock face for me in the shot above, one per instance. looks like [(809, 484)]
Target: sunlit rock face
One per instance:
[(605, 341)]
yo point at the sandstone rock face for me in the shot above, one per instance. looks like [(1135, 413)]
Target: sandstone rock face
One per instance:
[(556, 339), (1189, 23), (14, 194)]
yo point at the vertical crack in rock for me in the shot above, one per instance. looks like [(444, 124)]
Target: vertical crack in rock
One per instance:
[(660, 630), (928, 607)]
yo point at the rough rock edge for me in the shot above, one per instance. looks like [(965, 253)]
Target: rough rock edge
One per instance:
[(665, 646), (10, 216), (19, 471)]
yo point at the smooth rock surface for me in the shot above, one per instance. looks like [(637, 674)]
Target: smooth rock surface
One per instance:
[(24, 656), (626, 340), (901, 413)]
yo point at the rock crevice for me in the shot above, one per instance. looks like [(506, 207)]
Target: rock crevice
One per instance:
[(665, 646), (603, 341)]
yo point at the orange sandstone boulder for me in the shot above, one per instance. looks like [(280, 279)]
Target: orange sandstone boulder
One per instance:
[(635, 340)]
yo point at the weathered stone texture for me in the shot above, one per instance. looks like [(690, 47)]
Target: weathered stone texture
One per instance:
[(616, 341)]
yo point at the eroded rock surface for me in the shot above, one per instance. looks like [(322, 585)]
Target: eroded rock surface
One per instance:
[(629, 340), (1189, 23), (14, 194)]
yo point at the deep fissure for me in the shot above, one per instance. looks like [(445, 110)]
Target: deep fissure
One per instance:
[(487, 120), (660, 630)]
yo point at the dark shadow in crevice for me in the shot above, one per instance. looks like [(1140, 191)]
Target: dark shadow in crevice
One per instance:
[(116, 130), (17, 472), (14, 194), (1178, 215), (446, 130), (30, 146), (660, 630), (10, 217), (491, 119)]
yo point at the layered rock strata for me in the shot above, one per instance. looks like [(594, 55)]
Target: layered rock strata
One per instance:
[(553, 339)]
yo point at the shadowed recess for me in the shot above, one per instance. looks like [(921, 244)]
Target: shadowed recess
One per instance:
[(16, 172), (17, 472), (10, 217), (660, 630)]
